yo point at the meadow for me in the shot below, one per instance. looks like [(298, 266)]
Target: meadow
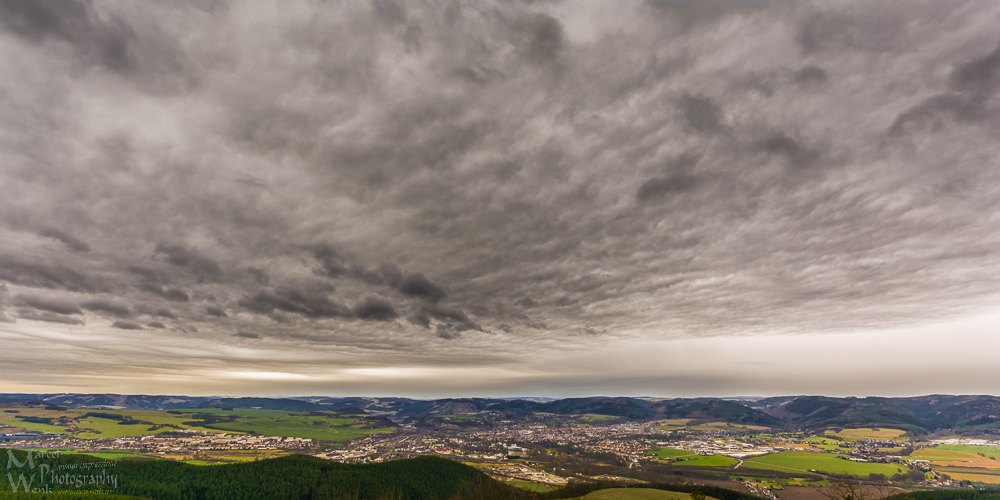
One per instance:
[(668, 453), (105, 424), (637, 494), (707, 461), (804, 461), (869, 433)]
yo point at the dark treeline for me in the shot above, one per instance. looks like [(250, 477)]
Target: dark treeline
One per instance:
[(296, 477), (578, 490), (947, 495)]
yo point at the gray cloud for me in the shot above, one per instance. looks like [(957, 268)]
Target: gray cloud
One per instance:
[(107, 307), (69, 240), (314, 304), (48, 317), (260, 275), (50, 305), (36, 273), (191, 259), (375, 307), (171, 294), (663, 169), (127, 325), (216, 311), (418, 285), (156, 324)]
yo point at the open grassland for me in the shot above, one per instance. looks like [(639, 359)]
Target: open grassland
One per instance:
[(590, 417), (989, 451), (976, 478), (110, 424), (804, 461), (668, 453), (707, 461), (943, 457), (708, 426), (673, 424), (636, 494), (530, 486), (301, 427), (869, 433)]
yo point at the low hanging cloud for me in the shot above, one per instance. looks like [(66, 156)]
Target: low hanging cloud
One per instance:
[(314, 304), (46, 304), (190, 259), (216, 311), (374, 307), (69, 240), (127, 325), (418, 285), (107, 307)]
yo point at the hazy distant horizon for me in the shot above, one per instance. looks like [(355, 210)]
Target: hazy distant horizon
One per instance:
[(563, 197)]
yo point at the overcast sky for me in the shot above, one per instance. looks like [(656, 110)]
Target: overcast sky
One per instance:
[(458, 198)]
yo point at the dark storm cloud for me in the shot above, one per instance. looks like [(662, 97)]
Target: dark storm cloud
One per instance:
[(700, 113), (260, 275), (980, 75), (107, 307), (127, 325), (39, 274), (48, 317), (418, 285), (810, 75), (156, 324), (313, 304), (191, 259), (216, 311), (50, 305), (246, 335), (150, 274), (106, 42), (374, 307), (452, 319), (172, 294), (155, 312), (69, 240), (541, 170)]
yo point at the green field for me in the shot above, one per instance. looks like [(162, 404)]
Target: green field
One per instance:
[(708, 461), (668, 453), (317, 426), (804, 461), (637, 494), (989, 451), (530, 486), (869, 433)]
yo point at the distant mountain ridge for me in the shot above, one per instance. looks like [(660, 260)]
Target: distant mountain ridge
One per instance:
[(921, 414)]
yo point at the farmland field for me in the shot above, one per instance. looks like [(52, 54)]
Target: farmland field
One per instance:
[(530, 486), (636, 494), (867, 433), (945, 457), (977, 478), (804, 461), (105, 424), (989, 451), (668, 453), (708, 461)]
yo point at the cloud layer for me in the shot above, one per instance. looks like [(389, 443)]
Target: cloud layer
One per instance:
[(473, 182)]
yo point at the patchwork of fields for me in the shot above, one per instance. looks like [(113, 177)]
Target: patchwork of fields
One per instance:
[(110, 424), (804, 461)]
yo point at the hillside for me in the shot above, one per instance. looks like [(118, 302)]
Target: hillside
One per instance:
[(923, 414), (297, 477)]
